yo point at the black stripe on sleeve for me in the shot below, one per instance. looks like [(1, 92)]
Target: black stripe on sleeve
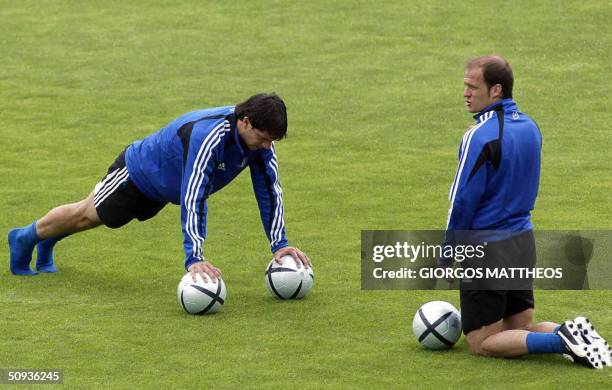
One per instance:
[(184, 134), (491, 151)]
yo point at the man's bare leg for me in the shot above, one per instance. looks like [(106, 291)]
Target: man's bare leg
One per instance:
[(498, 340), (507, 337), (68, 219)]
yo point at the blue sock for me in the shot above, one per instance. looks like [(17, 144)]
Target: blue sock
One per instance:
[(44, 254), (27, 235), (21, 244), (544, 343)]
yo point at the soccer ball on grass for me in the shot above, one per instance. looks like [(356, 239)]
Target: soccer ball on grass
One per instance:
[(286, 280), (437, 325), (201, 296)]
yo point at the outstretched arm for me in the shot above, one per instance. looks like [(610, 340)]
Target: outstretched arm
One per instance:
[(269, 194), (195, 189)]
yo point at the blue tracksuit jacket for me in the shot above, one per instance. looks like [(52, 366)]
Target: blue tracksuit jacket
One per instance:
[(497, 178), (195, 156)]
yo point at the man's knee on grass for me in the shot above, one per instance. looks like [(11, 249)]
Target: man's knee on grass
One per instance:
[(477, 339), (478, 348)]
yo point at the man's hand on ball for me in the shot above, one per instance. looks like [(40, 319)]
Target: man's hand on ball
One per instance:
[(206, 271), (299, 256)]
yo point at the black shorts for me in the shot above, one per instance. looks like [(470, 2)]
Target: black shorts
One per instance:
[(118, 200), (484, 307), (487, 301)]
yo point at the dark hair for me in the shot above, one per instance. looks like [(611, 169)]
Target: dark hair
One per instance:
[(495, 70), (267, 112)]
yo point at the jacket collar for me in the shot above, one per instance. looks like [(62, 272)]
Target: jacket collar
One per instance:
[(505, 105), (235, 138)]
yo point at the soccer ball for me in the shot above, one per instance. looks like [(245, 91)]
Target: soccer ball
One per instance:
[(201, 296), (286, 280), (437, 325)]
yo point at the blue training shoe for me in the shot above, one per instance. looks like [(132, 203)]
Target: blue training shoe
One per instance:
[(44, 256), (21, 253)]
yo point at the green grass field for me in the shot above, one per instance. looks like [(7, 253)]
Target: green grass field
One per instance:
[(374, 93)]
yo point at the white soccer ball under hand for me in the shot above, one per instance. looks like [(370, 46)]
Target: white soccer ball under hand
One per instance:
[(286, 280), (437, 325), (201, 296)]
